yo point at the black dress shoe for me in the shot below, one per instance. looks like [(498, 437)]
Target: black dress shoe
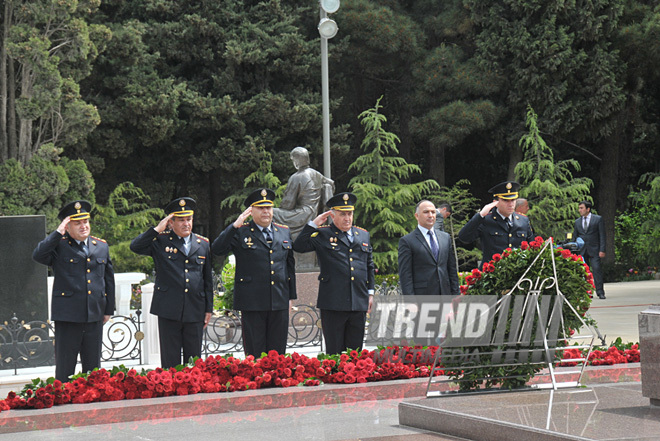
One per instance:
[(601, 296)]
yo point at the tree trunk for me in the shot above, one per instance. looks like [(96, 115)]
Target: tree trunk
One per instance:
[(515, 156), (437, 164), (25, 125), (4, 147), (614, 176), (12, 148), (215, 199)]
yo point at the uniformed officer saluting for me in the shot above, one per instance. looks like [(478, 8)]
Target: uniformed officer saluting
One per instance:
[(83, 289), (183, 292), (496, 224), (346, 285), (265, 281)]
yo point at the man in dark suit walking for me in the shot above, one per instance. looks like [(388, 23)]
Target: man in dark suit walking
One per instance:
[(590, 228), (265, 281), (83, 289), (183, 292), (496, 224), (346, 285), (426, 257)]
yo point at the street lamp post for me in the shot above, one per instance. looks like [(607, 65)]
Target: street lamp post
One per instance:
[(327, 29)]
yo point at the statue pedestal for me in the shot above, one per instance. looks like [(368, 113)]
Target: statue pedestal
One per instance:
[(649, 347), (306, 262), (307, 287)]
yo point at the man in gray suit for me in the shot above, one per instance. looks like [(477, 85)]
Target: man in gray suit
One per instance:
[(426, 263), (591, 229)]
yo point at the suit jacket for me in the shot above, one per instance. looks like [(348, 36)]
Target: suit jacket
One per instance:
[(265, 274), (419, 271), (494, 233), (594, 236), (84, 286), (347, 269), (183, 289)]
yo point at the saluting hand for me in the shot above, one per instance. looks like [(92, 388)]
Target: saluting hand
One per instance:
[(241, 219), (484, 211), (162, 225), (322, 218), (62, 228)]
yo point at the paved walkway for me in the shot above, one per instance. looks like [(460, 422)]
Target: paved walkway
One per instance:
[(617, 314)]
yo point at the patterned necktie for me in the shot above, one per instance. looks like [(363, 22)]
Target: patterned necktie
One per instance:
[(509, 223), (269, 238), (434, 246), (84, 247), (348, 236)]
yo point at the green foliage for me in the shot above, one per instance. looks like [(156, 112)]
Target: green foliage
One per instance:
[(388, 279), (226, 300), (385, 204), (194, 93), (262, 177), (637, 238), (126, 215), (43, 185), (555, 56), (52, 47), (549, 186)]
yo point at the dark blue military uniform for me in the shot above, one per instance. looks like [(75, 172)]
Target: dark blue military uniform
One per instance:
[(83, 293), (264, 283), (184, 284), (183, 291), (347, 275), (495, 234)]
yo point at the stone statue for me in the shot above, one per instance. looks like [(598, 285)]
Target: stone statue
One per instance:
[(305, 192)]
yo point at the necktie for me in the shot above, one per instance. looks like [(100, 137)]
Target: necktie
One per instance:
[(509, 223), (348, 236), (434, 246), (584, 223), (269, 238), (186, 245), (84, 247)]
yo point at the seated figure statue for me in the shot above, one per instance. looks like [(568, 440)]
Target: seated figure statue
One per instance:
[(306, 190)]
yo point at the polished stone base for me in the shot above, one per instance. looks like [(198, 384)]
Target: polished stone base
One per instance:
[(599, 412)]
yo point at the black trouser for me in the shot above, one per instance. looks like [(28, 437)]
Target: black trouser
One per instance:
[(342, 330), (265, 331), (73, 338), (175, 335), (597, 271)]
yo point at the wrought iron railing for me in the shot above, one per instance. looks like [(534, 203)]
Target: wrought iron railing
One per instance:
[(31, 344), (123, 338), (26, 345)]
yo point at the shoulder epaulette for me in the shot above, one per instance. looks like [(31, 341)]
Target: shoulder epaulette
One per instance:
[(324, 226), (199, 236), (360, 228), (98, 238), (521, 214), (281, 226), (164, 232)]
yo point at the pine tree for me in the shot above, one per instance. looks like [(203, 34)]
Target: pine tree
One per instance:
[(385, 205), (549, 186)]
